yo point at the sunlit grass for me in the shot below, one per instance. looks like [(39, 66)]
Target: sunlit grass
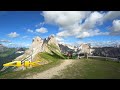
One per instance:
[(91, 69), (53, 61)]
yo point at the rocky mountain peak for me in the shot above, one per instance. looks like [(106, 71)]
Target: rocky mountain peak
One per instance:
[(36, 46), (37, 39), (43, 45), (52, 40)]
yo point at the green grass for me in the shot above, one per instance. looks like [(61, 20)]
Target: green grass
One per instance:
[(54, 49), (53, 59), (53, 46), (7, 52), (91, 69), (31, 71), (48, 56)]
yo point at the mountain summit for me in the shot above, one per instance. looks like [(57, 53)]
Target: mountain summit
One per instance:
[(40, 49), (49, 45)]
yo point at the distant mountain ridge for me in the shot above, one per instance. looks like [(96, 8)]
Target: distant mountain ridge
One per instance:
[(107, 52), (65, 48)]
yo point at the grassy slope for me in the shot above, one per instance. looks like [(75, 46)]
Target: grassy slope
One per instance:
[(54, 60), (92, 69)]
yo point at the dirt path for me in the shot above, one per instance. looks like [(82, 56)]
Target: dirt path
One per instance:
[(52, 71)]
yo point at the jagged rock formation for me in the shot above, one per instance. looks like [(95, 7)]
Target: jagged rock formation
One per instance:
[(49, 45), (35, 47), (85, 48), (65, 48), (38, 45)]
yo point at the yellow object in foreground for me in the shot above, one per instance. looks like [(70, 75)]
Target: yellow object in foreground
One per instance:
[(19, 64)]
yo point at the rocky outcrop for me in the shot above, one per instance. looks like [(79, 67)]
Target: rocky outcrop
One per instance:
[(65, 48), (85, 48), (52, 40), (50, 43), (42, 45), (36, 46)]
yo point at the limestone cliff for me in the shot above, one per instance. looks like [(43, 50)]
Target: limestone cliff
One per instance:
[(38, 45), (50, 44)]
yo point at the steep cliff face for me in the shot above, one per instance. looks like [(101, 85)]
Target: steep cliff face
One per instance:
[(45, 46), (38, 47), (52, 40), (85, 48), (51, 45), (65, 48), (35, 47)]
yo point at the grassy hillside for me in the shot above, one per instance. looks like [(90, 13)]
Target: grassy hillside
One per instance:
[(53, 59), (55, 50), (91, 69), (48, 59)]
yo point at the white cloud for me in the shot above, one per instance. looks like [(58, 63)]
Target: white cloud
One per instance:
[(71, 22), (92, 20), (111, 15), (29, 30), (116, 25), (80, 24), (64, 18), (40, 24), (5, 41), (115, 28), (63, 34), (71, 30), (13, 35), (42, 30), (83, 35), (39, 30), (59, 39), (91, 33)]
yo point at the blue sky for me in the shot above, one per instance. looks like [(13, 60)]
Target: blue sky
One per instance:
[(18, 28)]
